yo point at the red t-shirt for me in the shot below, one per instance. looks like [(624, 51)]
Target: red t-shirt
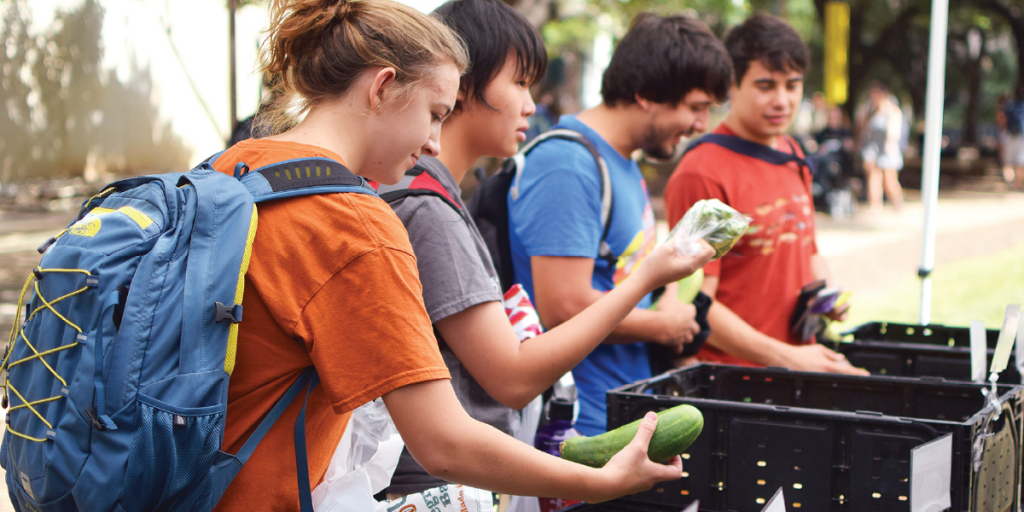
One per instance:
[(761, 277)]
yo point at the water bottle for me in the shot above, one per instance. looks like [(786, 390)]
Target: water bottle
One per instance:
[(559, 427)]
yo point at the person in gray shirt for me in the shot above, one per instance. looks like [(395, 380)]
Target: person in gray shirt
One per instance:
[(493, 374)]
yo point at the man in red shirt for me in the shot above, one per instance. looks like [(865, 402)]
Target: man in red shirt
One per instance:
[(756, 285)]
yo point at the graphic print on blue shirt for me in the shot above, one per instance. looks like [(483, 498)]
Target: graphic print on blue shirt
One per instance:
[(558, 213)]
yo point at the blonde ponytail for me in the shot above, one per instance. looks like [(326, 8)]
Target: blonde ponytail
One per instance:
[(319, 47)]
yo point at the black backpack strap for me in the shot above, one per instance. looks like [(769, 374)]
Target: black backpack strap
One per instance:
[(604, 251), (412, 184), (300, 177), (308, 172), (754, 150), (748, 148)]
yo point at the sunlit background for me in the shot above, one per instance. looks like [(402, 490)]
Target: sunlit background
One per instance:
[(93, 90)]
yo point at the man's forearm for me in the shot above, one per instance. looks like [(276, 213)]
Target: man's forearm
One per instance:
[(734, 336), (639, 325)]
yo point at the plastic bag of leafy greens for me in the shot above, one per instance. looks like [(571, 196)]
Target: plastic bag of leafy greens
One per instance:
[(712, 220)]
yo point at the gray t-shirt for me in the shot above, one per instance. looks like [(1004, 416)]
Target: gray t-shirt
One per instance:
[(456, 271)]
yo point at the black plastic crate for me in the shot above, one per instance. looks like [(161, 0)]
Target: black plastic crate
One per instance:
[(834, 443), (885, 348), (623, 505)]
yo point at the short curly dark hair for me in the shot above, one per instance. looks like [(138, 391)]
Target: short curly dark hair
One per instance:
[(662, 59), (769, 40)]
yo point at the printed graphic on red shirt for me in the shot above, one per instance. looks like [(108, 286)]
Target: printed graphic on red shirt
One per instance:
[(761, 277), (787, 220)]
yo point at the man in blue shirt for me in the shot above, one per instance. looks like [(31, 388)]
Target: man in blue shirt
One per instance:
[(662, 79)]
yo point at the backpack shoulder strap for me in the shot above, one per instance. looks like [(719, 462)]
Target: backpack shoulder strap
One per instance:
[(607, 199), (748, 148), (753, 149), (418, 182), (300, 177)]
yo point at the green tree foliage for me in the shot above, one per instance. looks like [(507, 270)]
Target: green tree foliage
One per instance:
[(1011, 13), (889, 42), (574, 23), (62, 108)]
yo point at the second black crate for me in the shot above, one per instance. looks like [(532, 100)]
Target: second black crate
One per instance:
[(888, 348)]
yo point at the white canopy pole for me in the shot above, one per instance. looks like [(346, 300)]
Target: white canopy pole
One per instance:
[(932, 148)]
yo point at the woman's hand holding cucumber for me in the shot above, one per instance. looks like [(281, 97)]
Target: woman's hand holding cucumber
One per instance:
[(631, 471)]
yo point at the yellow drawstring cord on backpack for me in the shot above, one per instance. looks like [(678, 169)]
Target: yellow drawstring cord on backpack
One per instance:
[(18, 332), (102, 193)]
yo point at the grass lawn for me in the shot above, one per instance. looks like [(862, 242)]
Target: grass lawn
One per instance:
[(975, 289)]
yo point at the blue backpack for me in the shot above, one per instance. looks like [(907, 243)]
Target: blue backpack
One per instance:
[(118, 365)]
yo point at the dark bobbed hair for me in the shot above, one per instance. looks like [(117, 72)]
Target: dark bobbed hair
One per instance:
[(492, 30), (662, 59), (769, 40)]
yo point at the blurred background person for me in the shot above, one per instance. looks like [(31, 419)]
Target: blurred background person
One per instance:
[(1010, 118), (881, 132), (835, 185)]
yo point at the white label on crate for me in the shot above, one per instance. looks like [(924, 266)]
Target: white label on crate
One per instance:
[(931, 469), (979, 350), (693, 507), (1006, 335), (1020, 347), (777, 503)]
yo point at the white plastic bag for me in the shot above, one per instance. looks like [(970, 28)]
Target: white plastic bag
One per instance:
[(712, 220), (526, 323), (526, 431), (362, 464), (446, 498)]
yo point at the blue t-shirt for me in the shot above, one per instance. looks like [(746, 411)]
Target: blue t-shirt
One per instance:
[(558, 213)]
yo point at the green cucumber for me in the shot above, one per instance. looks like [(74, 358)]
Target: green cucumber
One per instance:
[(689, 286), (677, 429)]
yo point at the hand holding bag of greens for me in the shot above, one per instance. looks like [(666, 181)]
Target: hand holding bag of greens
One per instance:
[(712, 220)]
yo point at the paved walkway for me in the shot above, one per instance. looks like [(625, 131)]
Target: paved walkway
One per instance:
[(872, 254), (869, 253)]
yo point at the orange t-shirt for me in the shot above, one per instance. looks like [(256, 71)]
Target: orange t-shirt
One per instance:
[(761, 277), (332, 283)]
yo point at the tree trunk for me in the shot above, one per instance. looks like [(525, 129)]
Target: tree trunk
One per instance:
[(857, 63), (1013, 13), (864, 57), (972, 69)]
